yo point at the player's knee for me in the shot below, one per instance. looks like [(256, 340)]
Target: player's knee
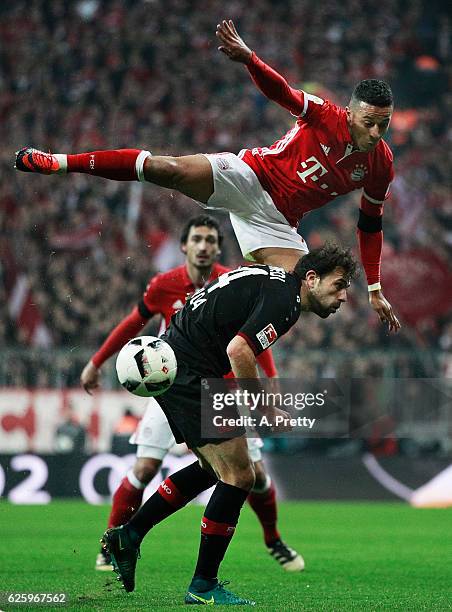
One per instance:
[(146, 468), (206, 466), (246, 479), (261, 476), (242, 477)]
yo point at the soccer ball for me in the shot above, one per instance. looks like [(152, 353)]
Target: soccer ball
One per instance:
[(146, 366)]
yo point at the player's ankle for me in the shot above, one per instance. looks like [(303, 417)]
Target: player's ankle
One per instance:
[(140, 165), (131, 480), (62, 162), (134, 537), (202, 583), (271, 541)]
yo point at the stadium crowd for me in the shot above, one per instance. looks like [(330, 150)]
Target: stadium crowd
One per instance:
[(90, 75)]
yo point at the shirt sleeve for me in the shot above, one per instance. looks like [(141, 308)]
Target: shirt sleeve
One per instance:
[(275, 87), (267, 363), (151, 300), (370, 247), (377, 185), (273, 315), (370, 235), (127, 329)]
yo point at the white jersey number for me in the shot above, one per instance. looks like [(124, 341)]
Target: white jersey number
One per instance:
[(200, 296)]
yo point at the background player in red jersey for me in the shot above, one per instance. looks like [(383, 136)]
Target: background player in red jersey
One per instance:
[(166, 294), (329, 152)]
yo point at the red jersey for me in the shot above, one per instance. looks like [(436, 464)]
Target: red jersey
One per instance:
[(315, 161), (167, 292)]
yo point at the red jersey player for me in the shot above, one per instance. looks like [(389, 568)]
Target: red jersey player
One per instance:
[(329, 152), (165, 294)]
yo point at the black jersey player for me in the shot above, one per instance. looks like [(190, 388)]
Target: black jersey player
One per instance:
[(223, 327)]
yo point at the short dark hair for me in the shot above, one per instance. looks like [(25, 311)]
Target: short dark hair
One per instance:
[(374, 92), (325, 259), (197, 221)]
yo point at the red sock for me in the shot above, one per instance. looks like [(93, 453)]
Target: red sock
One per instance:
[(117, 164), (264, 505), (126, 501)]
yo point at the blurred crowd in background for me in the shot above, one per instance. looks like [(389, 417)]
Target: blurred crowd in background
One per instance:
[(77, 252)]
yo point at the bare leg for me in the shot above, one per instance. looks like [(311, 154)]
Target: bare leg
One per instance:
[(230, 461), (145, 468), (190, 174), (276, 256)]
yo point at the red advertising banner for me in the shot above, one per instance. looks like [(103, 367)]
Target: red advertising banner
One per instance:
[(31, 421)]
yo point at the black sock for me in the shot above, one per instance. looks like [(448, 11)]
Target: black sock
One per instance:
[(217, 528), (174, 492)]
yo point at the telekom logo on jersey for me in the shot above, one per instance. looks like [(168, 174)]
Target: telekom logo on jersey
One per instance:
[(311, 170), (314, 171)]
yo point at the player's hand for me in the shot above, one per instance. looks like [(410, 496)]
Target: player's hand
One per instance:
[(89, 378), (280, 420), (231, 43), (272, 385), (384, 310)]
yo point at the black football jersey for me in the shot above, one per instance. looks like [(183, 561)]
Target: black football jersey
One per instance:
[(259, 303)]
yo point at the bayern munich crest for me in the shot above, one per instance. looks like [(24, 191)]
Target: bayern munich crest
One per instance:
[(359, 172)]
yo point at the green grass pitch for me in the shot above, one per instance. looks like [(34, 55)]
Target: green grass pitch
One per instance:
[(359, 556)]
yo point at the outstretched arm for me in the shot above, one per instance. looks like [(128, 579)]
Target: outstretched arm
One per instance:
[(370, 240), (271, 83), (122, 333), (232, 44)]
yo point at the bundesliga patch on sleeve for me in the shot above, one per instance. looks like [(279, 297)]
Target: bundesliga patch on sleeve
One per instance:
[(267, 336)]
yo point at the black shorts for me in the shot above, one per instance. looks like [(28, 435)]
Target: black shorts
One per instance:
[(182, 407)]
